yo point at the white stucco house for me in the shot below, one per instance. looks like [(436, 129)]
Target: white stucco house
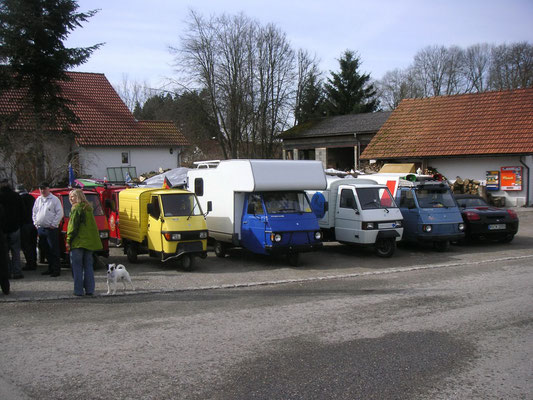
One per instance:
[(482, 136), (107, 142)]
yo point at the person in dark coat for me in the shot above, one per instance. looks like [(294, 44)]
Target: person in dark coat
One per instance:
[(4, 258), (28, 232), (13, 209)]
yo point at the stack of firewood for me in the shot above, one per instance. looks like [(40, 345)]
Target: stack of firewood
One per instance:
[(466, 186)]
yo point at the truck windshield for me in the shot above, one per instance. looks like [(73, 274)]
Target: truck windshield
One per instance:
[(372, 198), (286, 202), (93, 199), (434, 198), (180, 205)]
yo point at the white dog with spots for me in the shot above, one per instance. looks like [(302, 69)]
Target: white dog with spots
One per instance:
[(117, 273)]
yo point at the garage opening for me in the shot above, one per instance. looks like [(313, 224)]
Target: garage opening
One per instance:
[(341, 158)]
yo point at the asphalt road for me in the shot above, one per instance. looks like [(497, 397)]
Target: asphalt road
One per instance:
[(453, 326)]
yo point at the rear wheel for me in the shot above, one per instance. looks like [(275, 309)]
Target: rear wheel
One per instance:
[(293, 259), (220, 249), (131, 253), (385, 247), (187, 262), (443, 245)]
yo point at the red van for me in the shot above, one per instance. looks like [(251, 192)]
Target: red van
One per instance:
[(101, 221)]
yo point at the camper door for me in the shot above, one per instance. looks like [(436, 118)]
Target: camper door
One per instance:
[(347, 217)]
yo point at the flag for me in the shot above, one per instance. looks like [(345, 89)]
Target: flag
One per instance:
[(166, 183), (71, 177), (127, 179)]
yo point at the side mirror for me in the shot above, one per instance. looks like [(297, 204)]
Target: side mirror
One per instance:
[(209, 206)]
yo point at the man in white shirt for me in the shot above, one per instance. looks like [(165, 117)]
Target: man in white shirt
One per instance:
[(47, 214)]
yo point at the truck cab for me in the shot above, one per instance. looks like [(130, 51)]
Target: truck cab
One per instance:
[(359, 211), (279, 222), (430, 213), (165, 223)]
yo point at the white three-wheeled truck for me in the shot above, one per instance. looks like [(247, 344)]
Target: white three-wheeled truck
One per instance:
[(358, 211)]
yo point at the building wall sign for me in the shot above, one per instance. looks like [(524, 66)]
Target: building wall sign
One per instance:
[(493, 180), (511, 178)]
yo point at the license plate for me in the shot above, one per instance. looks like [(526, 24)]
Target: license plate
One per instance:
[(493, 227), (383, 226)]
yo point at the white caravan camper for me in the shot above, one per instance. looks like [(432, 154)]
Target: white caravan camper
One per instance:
[(260, 205)]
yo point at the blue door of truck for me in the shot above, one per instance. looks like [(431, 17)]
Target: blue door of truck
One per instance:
[(254, 223)]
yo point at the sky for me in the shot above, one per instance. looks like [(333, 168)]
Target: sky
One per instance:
[(385, 33)]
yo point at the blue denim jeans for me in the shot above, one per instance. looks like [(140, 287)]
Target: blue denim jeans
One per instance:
[(49, 239), (81, 261)]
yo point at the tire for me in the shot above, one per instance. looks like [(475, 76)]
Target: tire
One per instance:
[(507, 239), (220, 249), (131, 253), (293, 259), (443, 245), (187, 262), (385, 247)]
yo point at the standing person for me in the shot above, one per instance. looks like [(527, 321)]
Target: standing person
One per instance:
[(28, 233), (82, 239), (47, 214), (4, 259), (13, 209)]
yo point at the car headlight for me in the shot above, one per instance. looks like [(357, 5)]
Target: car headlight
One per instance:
[(398, 224), (104, 235), (369, 225), (172, 236), (427, 228), (461, 227), (203, 235), (275, 237), (318, 235)]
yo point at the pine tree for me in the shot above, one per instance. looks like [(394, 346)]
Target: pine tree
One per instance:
[(33, 54), (34, 61), (312, 101), (349, 92)]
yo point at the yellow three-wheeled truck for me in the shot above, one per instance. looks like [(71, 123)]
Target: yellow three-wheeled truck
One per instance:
[(164, 223)]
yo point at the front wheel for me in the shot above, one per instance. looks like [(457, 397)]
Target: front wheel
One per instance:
[(385, 247), (507, 239), (187, 262), (293, 259), (443, 245)]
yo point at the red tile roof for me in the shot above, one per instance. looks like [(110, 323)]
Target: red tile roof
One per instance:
[(105, 119), (487, 123)]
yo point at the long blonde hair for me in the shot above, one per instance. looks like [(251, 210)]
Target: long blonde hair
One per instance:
[(79, 196)]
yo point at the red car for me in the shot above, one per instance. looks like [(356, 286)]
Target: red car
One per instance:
[(109, 199), (99, 216), (483, 221)]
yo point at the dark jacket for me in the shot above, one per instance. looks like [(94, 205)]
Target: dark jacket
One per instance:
[(13, 208), (27, 200)]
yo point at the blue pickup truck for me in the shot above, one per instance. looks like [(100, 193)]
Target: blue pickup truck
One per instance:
[(430, 212)]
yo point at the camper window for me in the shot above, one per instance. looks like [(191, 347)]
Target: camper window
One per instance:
[(199, 187)]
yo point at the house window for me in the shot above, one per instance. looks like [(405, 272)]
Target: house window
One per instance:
[(125, 157)]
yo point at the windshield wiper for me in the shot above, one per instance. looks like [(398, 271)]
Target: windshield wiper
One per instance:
[(190, 214)]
